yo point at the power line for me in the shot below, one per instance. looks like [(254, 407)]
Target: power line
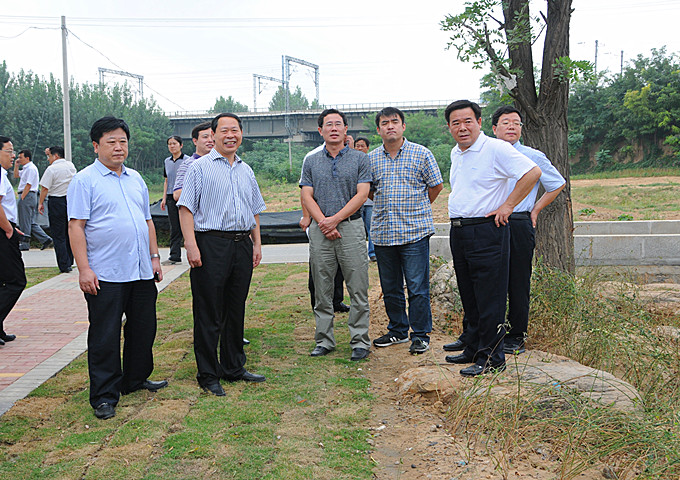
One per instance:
[(121, 68), (29, 28)]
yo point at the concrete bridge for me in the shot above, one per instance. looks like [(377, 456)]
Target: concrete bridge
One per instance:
[(303, 123)]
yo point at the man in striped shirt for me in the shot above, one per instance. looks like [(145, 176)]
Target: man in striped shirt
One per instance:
[(220, 208)]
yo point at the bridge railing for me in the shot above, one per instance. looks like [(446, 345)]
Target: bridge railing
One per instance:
[(346, 107)]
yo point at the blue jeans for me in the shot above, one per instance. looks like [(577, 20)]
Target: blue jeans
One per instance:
[(366, 214), (410, 262)]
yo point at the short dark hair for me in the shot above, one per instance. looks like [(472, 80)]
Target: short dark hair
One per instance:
[(461, 104), (27, 153), (107, 124), (388, 112), (216, 120), (504, 110), (58, 151), (4, 140), (330, 111), (199, 128), (175, 137), (364, 139)]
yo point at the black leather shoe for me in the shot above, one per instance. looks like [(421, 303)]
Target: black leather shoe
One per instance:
[(246, 341), (105, 411), (455, 346), (460, 358), (341, 308), (7, 337), (214, 388), (359, 354), (474, 370), (248, 377), (47, 244), (152, 386), (320, 351), (149, 385), (2, 342)]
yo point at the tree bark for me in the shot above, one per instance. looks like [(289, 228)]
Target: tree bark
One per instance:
[(545, 118)]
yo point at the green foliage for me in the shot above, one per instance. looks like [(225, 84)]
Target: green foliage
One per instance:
[(228, 104), (584, 212), (636, 110), (269, 160), (625, 217), (32, 116), (296, 101)]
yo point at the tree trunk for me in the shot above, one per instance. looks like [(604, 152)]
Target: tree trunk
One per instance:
[(545, 119)]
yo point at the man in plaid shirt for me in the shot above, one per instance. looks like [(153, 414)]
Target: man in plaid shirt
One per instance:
[(406, 180)]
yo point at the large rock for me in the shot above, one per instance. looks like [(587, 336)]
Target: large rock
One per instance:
[(444, 289), (534, 371)]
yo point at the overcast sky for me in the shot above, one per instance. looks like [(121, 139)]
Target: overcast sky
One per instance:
[(368, 52)]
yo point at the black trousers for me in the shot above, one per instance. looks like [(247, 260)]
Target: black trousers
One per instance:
[(481, 259), (175, 230), (12, 274), (58, 216), (137, 300), (220, 288), (522, 244), (338, 291)]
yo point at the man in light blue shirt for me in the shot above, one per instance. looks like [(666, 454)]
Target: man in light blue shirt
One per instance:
[(507, 125), (114, 245)]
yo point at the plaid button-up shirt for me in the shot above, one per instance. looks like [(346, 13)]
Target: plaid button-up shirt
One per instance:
[(402, 212)]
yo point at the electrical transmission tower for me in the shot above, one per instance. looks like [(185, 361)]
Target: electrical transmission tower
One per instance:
[(257, 86), (140, 79)]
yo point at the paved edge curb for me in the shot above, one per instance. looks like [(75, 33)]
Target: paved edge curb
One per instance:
[(41, 373)]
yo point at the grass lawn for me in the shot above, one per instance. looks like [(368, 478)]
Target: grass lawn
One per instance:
[(35, 275), (308, 421)]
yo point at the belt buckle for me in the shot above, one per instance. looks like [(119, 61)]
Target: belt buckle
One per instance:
[(240, 236), (456, 223)]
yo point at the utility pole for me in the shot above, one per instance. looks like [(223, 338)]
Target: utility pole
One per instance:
[(621, 72), (67, 102), (596, 42), (285, 74)]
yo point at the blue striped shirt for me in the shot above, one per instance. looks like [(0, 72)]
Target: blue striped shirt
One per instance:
[(402, 212), (551, 179), (221, 196)]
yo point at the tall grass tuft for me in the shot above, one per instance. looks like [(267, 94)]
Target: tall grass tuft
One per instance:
[(606, 326)]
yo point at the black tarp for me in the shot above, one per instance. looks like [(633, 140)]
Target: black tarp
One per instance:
[(275, 227)]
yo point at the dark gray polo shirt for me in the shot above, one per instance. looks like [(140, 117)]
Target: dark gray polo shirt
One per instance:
[(335, 180)]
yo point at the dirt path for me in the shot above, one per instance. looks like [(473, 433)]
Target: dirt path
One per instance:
[(413, 435)]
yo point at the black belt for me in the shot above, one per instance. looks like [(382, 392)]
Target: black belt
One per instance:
[(522, 215), (236, 236), (462, 222), (354, 216)]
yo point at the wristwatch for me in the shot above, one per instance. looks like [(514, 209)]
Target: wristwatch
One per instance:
[(155, 255)]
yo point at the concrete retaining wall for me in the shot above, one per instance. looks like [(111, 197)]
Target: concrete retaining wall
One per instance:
[(654, 242)]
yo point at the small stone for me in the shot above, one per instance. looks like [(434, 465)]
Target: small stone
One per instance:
[(413, 465), (608, 473)]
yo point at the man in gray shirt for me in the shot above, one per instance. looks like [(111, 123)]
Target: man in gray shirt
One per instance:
[(335, 183)]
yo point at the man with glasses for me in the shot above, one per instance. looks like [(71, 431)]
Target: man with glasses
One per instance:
[(481, 201), (335, 183), (12, 275)]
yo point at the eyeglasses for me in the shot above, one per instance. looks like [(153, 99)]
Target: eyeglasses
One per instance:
[(9, 151), (507, 123)]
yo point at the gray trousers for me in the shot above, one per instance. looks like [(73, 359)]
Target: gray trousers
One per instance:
[(324, 257), (28, 210)]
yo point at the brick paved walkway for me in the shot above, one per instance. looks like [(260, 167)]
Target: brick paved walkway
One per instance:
[(50, 322)]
